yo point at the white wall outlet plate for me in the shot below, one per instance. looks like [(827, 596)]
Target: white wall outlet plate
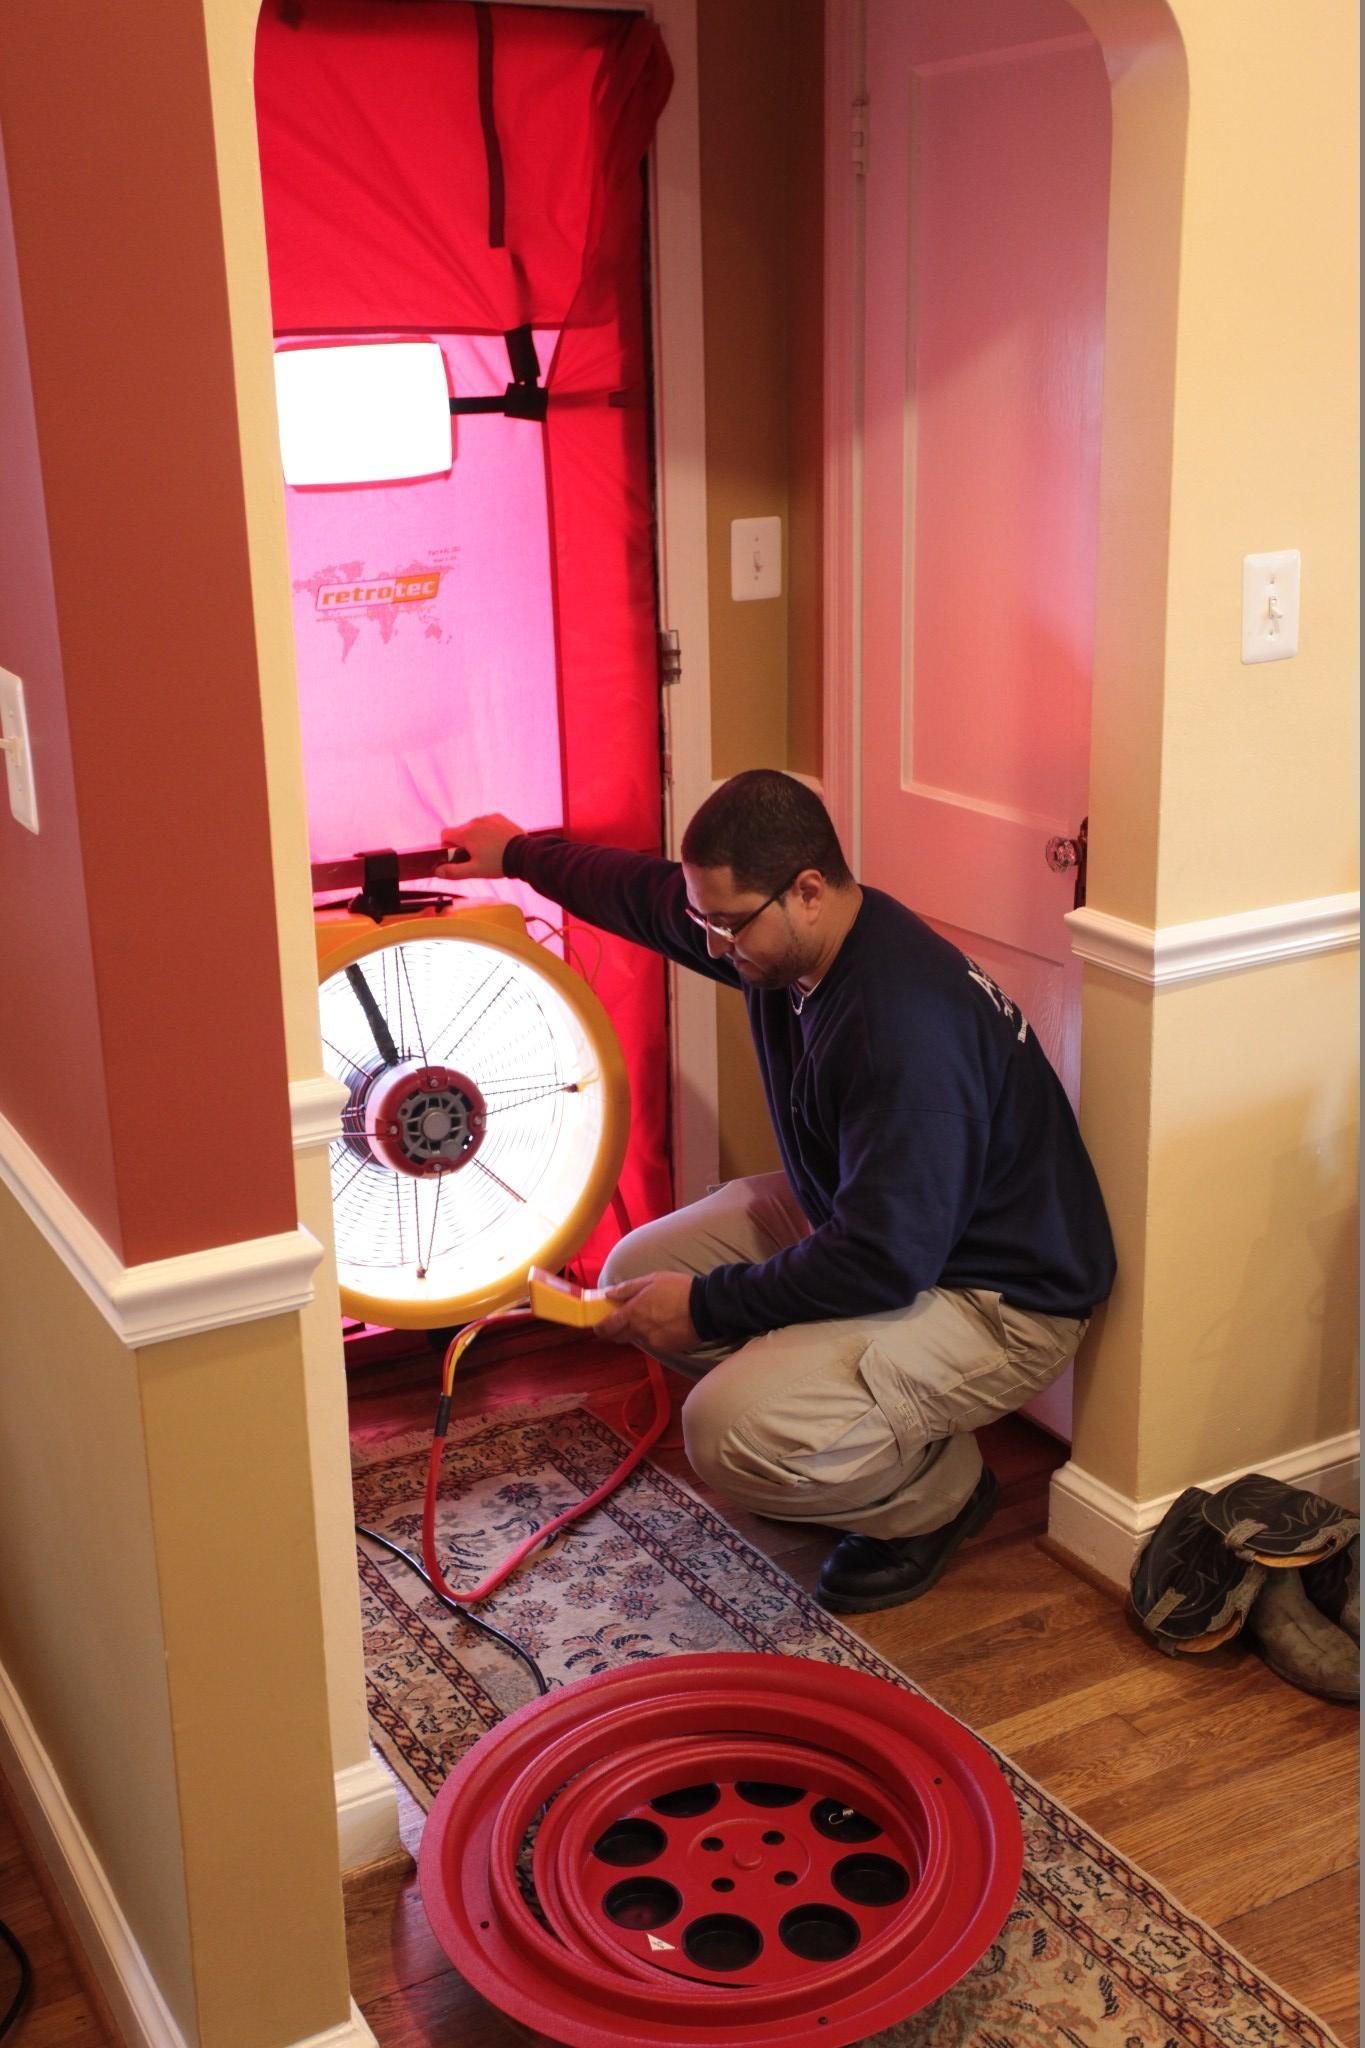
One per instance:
[(1270, 606), (755, 558), (23, 797)]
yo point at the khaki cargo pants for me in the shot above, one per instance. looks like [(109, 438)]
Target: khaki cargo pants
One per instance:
[(864, 1423)]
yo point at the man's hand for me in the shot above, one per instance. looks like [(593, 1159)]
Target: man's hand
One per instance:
[(653, 1312), (479, 847)]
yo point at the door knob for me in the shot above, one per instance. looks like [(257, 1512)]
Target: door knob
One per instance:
[(1062, 854)]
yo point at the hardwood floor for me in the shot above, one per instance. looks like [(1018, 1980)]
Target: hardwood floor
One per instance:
[(1237, 1792), (1232, 1789), (59, 2011)]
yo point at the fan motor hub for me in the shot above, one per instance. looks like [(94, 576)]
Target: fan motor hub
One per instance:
[(419, 1119)]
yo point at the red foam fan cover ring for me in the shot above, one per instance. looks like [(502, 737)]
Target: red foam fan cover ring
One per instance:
[(729, 1850)]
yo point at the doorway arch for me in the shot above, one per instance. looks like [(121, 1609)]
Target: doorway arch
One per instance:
[(1144, 61), (366, 1794)]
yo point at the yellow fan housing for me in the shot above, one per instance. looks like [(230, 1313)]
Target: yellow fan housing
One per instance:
[(487, 1115)]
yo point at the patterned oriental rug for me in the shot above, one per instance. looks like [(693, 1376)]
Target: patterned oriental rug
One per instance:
[(1093, 1951)]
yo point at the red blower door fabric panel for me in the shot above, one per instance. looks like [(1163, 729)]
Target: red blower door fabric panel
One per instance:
[(441, 169)]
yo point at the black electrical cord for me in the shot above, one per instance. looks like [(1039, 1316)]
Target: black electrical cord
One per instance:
[(25, 1980), (453, 1607)]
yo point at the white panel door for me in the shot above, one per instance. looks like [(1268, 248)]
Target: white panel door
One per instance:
[(983, 321)]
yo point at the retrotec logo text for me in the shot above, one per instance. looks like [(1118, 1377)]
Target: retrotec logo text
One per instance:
[(346, 597)]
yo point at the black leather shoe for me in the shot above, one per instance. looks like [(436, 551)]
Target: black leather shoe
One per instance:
[(865, 1572)]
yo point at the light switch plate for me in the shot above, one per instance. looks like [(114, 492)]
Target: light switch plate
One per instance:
[(1270, 606), (23, 798), (755, 558)]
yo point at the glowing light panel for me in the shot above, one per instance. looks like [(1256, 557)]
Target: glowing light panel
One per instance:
[(363, 414)]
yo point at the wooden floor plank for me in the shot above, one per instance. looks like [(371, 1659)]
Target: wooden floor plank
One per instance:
[(1262, 1825), (1062, 1715), (440, 2012), (388, 1937), (59, 2012), (1311, 1931), (1174, 1763), (985, 1673)]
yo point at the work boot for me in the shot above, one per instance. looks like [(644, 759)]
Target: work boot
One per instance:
[(865, 1572), (1300, 1644), (1276, 1524), (1261, 1552), (1334, 1587), (1189, 1591)]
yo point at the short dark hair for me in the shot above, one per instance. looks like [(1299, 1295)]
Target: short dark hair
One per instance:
[(765, 827)]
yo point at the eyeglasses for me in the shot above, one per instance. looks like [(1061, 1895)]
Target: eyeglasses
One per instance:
[(728, 929)]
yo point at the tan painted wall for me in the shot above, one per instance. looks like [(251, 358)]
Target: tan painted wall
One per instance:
[(81, 1627), (230, 28), (761, 83), (161, 1626), (226, 1427), (1225, 1130), (330, 1448), (1222, 1115), (1259, 764), (1251, 1337)]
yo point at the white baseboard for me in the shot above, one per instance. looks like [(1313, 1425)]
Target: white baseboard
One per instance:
[(367, 1814), (1105, 1530), (352, 2033), (140, 2012), (107, 1943)]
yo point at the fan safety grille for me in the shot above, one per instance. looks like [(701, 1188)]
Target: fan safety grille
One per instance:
[(475, 1115)]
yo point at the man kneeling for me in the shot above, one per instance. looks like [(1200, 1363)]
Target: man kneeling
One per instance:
[(931, 1254)]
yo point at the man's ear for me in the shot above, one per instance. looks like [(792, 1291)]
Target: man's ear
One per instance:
[(812, 888)]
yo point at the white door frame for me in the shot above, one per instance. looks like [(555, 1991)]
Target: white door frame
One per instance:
[(680, 479), (845, 156), (684, 600)]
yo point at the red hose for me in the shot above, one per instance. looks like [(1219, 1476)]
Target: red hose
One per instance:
[(538, 1536)]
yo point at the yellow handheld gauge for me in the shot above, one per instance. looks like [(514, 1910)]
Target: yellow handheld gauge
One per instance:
[(560, 1301)]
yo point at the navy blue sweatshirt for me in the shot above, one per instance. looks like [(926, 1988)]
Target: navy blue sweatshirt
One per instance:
[(922, 1129)]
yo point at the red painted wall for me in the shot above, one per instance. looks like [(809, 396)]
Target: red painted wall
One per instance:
[(144, 1058), (51, 1085)]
